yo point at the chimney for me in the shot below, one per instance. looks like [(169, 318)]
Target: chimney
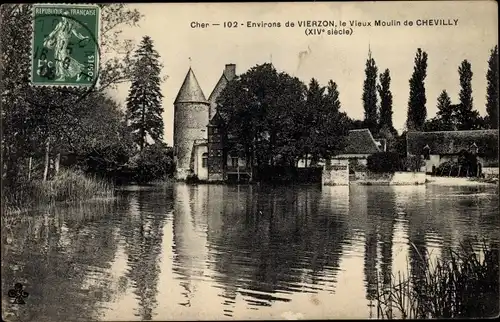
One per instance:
[(230, 71)]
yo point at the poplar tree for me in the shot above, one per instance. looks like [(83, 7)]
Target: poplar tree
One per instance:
[(417, 111), (466, 116), (370, 94), (385, 94), (492, 89), (144, 108)]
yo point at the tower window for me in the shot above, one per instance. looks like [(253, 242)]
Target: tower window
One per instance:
[(204, 160), (234, 161)]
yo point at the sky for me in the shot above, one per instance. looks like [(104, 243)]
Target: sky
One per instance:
[(341, 58)]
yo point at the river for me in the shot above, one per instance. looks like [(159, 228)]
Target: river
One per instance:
[(185, 252)]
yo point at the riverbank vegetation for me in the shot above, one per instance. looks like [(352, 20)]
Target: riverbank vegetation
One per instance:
[(67, 185), (463, 284), (72, 144)]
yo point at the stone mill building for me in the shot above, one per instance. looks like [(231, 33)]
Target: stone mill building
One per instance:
[(199, 141)]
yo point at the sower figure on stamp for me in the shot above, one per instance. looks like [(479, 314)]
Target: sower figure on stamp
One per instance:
[(58, 39)]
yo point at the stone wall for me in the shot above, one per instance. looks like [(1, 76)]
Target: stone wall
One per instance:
[(490, 172), (408, 178), (397, 178), (335, 175)]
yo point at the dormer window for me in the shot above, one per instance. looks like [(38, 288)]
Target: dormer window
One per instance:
[(426, 151), (474, 149)]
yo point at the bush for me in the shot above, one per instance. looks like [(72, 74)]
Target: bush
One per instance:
[(154, 162), (383, 162), (356, 166), (466, 166), (413, 163)]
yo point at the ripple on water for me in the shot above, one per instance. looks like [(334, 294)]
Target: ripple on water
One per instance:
[(161, 253)]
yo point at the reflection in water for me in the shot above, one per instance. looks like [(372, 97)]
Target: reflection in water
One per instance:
[(62, 256), (214, 251), (142, 232), (269, 245), (189, 241)]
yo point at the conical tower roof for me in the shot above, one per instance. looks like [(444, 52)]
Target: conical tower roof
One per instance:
[(190, 91)]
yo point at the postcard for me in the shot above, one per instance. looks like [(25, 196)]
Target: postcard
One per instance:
[(249, 161)]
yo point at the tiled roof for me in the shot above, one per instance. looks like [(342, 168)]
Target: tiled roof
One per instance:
[(190, 91), (221, 84), (216, 120), (452, 142), (360, 142)]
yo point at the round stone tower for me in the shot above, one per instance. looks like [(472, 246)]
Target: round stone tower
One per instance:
[(190, 123)]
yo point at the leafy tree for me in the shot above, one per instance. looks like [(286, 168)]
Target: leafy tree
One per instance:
[(492, 89), (99, 140), (33, 125), (385, 94), (335, 124), (144, 108), (286, 121), (313, 120), (15, 35), (275, 119), (370, 94), (116, 52), (383, 162), (417, 112), (356, 124), (262, 109)]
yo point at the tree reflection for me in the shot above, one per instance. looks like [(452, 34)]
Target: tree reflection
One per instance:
[(189, 242), (270, 241), (143, 233), (379, 205), (60, 255)]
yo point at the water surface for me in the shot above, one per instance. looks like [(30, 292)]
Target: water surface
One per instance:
[(233, 252)]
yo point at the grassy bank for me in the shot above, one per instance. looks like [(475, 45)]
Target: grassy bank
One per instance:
[(463, 286), (67, 186)]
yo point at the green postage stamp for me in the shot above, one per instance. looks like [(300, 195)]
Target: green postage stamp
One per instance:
[(65, 48)]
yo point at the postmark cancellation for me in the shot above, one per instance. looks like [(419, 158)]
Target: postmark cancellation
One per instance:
[(65, 46)]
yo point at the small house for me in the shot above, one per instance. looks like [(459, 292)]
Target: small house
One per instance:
[(439, 147), (360, 144)]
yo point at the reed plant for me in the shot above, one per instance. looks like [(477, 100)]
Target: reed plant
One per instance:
[(67, 186), (463, 286)]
